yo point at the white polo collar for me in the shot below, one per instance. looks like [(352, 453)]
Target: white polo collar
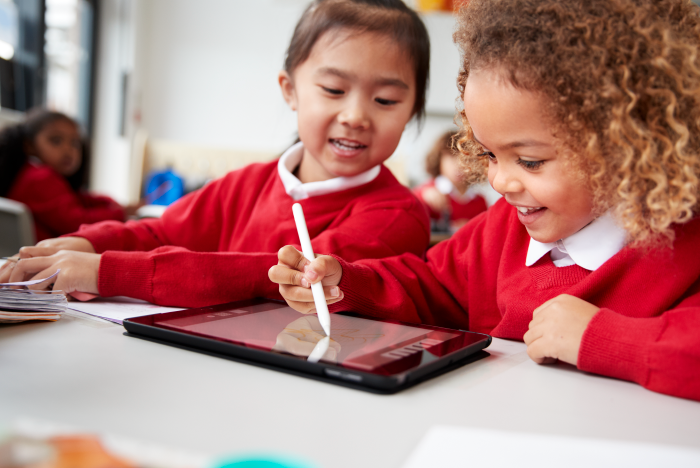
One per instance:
[(589, 248), (299, 191), (445, 187)]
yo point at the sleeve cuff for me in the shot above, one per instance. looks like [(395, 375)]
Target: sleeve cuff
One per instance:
[(618, 346), (98, 234), (354, 275), (126, 274)]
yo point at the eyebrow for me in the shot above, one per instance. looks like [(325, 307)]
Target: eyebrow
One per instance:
[(396, 82), (518, 144)]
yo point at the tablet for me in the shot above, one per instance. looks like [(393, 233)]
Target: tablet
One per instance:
[(381, 356)]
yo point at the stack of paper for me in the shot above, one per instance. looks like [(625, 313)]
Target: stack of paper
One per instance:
[(18, 305)]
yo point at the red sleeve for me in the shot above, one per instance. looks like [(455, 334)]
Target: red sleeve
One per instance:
[(183, 278), (660, 353), (436, 291), (193, 222), (54, 204)]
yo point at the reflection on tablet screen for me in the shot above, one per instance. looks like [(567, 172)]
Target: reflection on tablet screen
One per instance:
[(355, 342)]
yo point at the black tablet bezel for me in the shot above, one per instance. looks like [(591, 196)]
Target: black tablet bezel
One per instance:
[(145, 327)]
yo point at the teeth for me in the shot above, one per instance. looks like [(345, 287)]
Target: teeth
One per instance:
[(526, 210), (347, 145)]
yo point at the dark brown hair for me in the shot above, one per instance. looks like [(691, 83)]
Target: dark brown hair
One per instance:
[(444, 142), (390, 17), (12, 148), (620, 86)]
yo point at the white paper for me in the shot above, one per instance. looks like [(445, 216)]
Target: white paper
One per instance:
[(29, 283), (453, 447), (117, 309)]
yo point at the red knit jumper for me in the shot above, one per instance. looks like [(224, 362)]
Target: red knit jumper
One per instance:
[(648, 329), (57, 208), (217, 244)]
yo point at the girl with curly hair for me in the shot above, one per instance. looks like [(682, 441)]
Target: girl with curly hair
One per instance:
[(585, 116)]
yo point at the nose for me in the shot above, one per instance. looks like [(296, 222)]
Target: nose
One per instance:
[(355, 115), (503, 180)]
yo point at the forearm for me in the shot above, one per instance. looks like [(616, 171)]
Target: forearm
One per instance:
[(129, 236), (178, 277), (660, 353), (400, 288)]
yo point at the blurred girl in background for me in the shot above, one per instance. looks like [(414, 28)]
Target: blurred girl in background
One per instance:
[(44, 164), (450, 201)]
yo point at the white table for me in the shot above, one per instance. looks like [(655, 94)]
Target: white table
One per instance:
[(85, 373)]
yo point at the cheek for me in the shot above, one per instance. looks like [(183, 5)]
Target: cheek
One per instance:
[(491, 174)]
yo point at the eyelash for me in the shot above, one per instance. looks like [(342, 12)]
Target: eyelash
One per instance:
[(339, 92), (335, 92), (530, 165), (385, 102)]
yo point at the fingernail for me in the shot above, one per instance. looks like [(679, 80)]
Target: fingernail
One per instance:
[(304, 283), (311, 274), (335, 292)]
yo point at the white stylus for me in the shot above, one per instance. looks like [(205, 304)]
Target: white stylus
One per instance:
[(324, 317)]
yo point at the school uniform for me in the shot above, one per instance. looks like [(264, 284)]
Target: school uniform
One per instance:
[(490, 277), (216, 245), (467, 205), (56, 208)]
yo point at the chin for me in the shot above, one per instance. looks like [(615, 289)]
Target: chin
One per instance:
[(543, 237)]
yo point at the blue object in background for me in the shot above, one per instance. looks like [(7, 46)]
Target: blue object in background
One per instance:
[(163, 188)]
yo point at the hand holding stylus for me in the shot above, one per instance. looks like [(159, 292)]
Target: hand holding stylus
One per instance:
[(294, 273), (324, 316)]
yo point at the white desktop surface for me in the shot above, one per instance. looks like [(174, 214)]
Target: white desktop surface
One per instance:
[(85, 373)]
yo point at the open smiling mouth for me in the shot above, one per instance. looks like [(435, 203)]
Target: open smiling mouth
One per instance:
[(346, 145), (523, 210)]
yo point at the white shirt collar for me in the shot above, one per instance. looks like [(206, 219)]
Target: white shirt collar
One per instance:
[(589, 248), (445, 187), (298, 191)]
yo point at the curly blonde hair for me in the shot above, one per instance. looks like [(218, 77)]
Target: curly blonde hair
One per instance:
[(621, 86)]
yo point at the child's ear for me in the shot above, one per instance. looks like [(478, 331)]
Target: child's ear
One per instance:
[(287, 87)]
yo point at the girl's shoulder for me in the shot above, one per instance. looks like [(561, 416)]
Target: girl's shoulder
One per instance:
[(32, 174), (254, 174)]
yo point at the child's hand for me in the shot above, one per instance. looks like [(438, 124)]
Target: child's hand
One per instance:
[(51, 246), (78, 271), (435, 200), (295, 274), (557, 328)]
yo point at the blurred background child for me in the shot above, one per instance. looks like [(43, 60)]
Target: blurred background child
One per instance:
[(44, 164), (450, 201)]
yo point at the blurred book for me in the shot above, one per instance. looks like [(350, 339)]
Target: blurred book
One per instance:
[(18, 305)]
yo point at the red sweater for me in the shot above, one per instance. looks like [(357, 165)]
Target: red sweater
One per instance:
[(56, 208), (217, 244), (648, 329), (460, 210)]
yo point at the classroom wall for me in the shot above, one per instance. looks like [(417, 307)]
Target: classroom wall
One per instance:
[(205, 73)]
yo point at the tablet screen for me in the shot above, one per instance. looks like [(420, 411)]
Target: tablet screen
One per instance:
[(355, 342)]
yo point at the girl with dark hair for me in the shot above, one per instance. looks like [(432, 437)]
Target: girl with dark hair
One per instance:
[(43, 164), (356, 73)]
